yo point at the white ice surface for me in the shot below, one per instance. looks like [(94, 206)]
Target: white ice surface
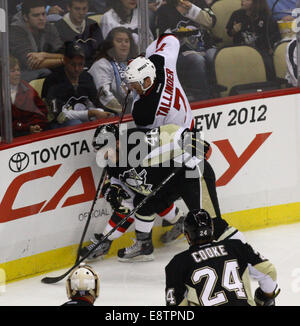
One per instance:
[(142, 284)]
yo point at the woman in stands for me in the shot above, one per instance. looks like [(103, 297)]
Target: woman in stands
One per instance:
[(109, 67), (29, 112), (253, 25)]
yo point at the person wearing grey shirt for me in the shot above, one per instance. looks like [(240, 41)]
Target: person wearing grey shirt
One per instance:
[(34, 42), (108, 69)]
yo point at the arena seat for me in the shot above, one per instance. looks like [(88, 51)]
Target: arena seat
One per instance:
[(223, 10), (279, 59), (238, 65), (96, 18), (37, 84)]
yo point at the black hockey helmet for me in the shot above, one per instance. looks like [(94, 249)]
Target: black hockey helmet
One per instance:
[(102, 135), (198, 226)]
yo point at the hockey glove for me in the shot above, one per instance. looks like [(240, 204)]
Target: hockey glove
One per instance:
[(194, 144), (114, 195), (261, 299)]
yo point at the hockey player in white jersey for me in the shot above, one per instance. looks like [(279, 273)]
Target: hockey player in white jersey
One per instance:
[(160, 98)]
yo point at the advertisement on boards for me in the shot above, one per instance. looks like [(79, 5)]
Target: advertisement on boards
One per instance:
[(47, 191), (48, 186), (254, 151)]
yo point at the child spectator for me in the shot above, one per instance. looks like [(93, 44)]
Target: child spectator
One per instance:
[(29, 112)]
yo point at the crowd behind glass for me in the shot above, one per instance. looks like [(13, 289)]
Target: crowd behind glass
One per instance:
[(67, 57)]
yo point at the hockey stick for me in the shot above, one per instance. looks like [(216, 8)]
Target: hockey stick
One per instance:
[(98, 191), (100, 183), (51, 280), (124, 107)]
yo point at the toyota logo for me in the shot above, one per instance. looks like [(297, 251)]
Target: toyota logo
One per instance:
[(18, 162)]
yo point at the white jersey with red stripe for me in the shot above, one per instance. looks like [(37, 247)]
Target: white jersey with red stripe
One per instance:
[(165, 102)]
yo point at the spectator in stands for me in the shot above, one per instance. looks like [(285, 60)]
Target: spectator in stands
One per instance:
[(55, 9), (154, 5), (291, 63), (109, 67), (122, 13), (29, 112), (75, 26), (34, 42), (192, 23), (253, 25), (282, 9), (70, 91)]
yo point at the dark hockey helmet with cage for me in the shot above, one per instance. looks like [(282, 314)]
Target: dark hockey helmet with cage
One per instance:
[(198, 226), (103, 134)]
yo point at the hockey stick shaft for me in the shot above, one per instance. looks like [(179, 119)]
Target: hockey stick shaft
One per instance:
[(101, 179), (51, 280), (124, 107), (98, 191)]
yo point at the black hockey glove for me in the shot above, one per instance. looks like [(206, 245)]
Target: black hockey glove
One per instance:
[(193, 143), (262, 300), (114, 195)]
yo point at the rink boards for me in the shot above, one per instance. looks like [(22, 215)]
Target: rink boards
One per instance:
[(48, 182)]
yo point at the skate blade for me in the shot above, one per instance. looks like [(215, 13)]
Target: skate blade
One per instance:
[(141, 258)]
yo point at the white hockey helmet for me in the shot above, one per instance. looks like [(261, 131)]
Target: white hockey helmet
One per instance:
[(139, 69), (83, 281)]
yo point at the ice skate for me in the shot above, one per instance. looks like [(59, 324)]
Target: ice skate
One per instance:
[(101, 250), (174, 233), (140, 251)]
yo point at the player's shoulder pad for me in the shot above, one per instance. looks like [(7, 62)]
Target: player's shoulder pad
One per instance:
[(170, 37)]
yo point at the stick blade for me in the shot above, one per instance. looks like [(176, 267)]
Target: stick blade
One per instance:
[(52, 280)]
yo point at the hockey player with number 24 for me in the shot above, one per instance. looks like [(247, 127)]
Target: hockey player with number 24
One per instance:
[(213, 273)]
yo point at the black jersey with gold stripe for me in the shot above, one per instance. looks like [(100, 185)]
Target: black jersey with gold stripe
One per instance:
[(214, 274)]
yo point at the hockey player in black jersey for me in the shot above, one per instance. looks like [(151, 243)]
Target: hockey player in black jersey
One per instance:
[(212, 273), (82, 286), (130, 183)]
